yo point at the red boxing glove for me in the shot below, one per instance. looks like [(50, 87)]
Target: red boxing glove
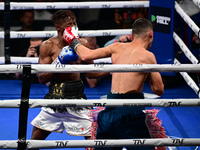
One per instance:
[(70, 35)]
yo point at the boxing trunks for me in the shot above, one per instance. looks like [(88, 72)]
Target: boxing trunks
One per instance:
[(123, 122), (76, 121)]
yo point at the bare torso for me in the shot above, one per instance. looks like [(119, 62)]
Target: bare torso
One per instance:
[(52, 49), (129, 82)]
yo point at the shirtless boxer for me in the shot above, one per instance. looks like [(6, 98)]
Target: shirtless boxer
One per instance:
[(124, 122), (76, 121)]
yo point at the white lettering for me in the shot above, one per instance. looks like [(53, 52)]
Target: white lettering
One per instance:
[(163, 20)]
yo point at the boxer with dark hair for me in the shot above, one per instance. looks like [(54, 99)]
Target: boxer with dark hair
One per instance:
[(124, 122), (76, 121)]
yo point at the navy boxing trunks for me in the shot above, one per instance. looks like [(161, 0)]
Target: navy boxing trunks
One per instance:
[(123, 122)]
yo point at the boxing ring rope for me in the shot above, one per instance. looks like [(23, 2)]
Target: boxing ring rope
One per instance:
[(50, 144), (197, 2), (189, 80), (187, 19), (75, 5), (48, 34), (34, 60), (36, 103), (192, 58), (184, 48), (47, 68)]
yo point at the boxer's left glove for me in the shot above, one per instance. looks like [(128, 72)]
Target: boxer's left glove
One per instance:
[(66, 56), (70, 35)]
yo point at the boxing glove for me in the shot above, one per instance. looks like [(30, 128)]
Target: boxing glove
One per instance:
[(70, 35), (66, 55)]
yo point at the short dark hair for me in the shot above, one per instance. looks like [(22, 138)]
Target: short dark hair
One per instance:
[(61, 15), (141, 26)]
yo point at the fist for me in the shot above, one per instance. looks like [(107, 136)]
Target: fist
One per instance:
[(67, 55), (70, 33)]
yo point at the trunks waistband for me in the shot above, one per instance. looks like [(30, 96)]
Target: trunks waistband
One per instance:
[(66, 89), (125, 96)]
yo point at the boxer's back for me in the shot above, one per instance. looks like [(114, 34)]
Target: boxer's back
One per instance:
[(126, 82)]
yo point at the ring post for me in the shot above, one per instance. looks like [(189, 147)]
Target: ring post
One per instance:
[(7, 31), (24, 105), (161, 14)]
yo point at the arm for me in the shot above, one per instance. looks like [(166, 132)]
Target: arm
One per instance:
[(155, 81), (70, 35), (45, 58)]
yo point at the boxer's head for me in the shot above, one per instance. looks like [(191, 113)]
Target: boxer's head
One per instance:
[(63, 19), (143, 28)]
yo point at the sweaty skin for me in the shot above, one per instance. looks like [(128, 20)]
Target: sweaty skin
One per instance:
[(51, 48), (128, 53)]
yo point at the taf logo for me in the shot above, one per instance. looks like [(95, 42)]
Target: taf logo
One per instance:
[(161, 19)]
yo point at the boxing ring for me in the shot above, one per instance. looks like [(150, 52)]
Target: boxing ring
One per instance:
[(179, 108)]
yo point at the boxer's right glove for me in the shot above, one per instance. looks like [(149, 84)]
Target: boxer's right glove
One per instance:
[(70, 35)]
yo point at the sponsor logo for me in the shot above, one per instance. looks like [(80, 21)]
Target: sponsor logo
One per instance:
[(75, 129), (21, 35), (99, 65), (51, 7), (139, 142), (133, 6), (178, 141), (136, 104), (106, 33), (105, 6), (48, 35), (100, 143), (19, 67), (174, 103), (161, 19), (61, 143), (79, 7), (60, 66), (99, 104), (23, 7), (62, 105)]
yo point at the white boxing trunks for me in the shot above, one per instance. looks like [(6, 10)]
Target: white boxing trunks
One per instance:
[(75, 120), (77, 123)]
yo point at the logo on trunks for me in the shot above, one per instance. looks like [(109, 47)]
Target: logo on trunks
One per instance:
[(105, 6), (21, 35), (48, 35), (100, 143), (174, 103), (139, 142), (178, 141), (106, 33), (75, 129), (51, 7), (61, 143), (136, 104), (133, 6), (99, 104)]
